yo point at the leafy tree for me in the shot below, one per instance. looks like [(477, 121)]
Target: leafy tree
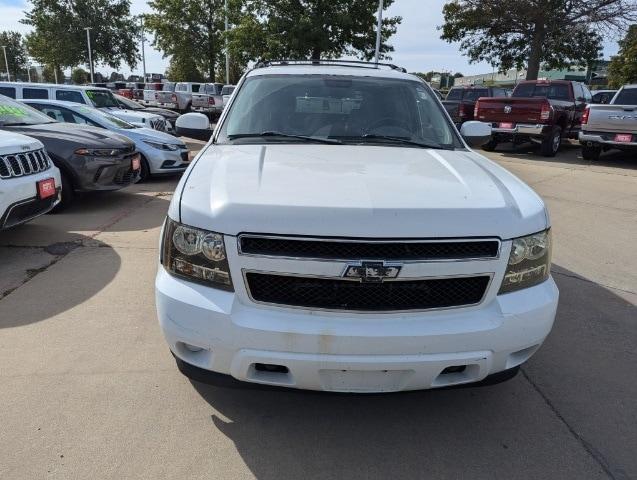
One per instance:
[(267, 29), (557, 33), (183, 68), (16, 53), (116, 77), (79, 76), (48, 74), (59, 37), (191, 33), (623, 67)]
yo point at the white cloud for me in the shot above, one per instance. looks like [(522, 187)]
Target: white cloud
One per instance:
[(417, 44)]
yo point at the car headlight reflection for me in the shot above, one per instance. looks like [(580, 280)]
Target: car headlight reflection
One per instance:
[(196, 255), (529, 262)]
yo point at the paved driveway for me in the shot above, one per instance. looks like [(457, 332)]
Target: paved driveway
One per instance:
[(88, 388)]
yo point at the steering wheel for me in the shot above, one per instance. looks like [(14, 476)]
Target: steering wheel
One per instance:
[(389, 121)]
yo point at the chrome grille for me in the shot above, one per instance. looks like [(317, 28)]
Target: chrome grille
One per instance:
[(26, 163), (158, 124)]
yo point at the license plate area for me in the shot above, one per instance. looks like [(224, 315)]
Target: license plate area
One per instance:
[(623, 138), (46, 188), (506, 125)]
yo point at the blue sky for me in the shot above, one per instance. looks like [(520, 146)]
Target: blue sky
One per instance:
[(417, 43)]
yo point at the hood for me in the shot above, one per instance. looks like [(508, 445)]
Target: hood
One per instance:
[(81, 135), (12, 143), (164, 112), (132, 116), (152, 135), (357, 191)]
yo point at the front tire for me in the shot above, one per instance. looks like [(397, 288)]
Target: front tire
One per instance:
[(68, 194), (490, 146), (551, 143), (591, 153), (144, 173)]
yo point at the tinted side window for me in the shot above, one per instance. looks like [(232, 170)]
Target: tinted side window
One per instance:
[(627, 96), (578, 92), (587, 94), (40, 93), (69, 96), (7, 92), (54, 112), (455, 94)]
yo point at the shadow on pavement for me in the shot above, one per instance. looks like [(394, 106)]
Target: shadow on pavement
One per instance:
[(530, 151), (78, 271), (585, 371)]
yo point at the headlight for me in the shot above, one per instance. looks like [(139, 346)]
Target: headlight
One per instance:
[(196, 255), (163, 146), (98, 152), (529, 262)]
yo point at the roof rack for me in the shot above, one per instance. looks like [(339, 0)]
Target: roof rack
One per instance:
[(326, 61)]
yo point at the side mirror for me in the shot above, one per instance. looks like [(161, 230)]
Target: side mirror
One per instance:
[(476, 134), (193, 125)]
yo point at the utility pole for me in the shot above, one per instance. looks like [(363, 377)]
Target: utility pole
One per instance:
[(225, 7), (29, 71), (6, 62), (379, 26), (141, 19), (90, 55)]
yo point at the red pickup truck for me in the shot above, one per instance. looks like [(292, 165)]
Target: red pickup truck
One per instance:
[(539, 111)]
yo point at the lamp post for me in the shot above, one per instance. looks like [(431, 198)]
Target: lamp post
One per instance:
[(29, 71), (90, 55), (379, 25), (141, 19), (6, 62), (225, 7)]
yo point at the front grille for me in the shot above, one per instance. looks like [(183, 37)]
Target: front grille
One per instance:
[(124, 176), (25, 211), (26, 163), (368, 250), (158, 124), (338, 294)]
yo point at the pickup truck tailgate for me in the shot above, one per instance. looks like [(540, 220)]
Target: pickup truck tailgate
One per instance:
[(514, 110), (612, 118), (200, 99)]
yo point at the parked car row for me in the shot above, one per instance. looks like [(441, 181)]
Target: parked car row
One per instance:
[(72, 148), (546, 111)]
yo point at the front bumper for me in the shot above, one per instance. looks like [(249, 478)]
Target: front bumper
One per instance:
[(351, 352), (19, 202), (166, 161), (103, 173), (606, 138)]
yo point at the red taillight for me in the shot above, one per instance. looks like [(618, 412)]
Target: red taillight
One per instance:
[(545, 113), (587, 113), (461, 112), (173, 97), (211, 101)]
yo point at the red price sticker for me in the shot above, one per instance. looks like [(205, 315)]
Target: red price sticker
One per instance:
[(46, 188)]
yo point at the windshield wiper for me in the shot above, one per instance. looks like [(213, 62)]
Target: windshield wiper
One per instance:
[(285, 135), (405, 141)]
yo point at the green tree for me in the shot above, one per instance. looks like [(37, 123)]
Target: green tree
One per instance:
[(190, 32), (59, 37), (48, 74), (79, 76), (556, 33), (270, 29), (183, 68), (16, 53), (623, 67)]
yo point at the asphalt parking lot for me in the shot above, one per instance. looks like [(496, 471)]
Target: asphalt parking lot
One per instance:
[(89, 389)]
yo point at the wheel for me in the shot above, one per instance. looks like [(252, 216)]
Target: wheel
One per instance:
[(187, 109), (591, 153), (490, 146), (68, 194), (551, 143), (144, 173)]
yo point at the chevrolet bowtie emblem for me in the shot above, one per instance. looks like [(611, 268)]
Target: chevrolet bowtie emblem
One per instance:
[(372, 271)]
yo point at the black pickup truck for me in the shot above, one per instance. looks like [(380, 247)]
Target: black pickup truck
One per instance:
[(540, 111), (461, 101)]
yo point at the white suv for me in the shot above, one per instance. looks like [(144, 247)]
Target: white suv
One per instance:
[(338, 233), (30, 184)]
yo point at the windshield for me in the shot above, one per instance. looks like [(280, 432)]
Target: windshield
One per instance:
[(103, 118), (554, 91), (227, 90), (350, 109), (102, 98), (129, 104), (627, 96), (212, 89), (14, 113), (472, 94)]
